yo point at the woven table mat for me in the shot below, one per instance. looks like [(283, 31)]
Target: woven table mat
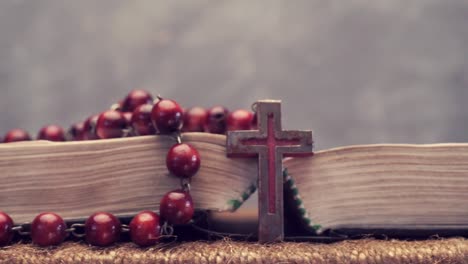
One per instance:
[(355, 251)]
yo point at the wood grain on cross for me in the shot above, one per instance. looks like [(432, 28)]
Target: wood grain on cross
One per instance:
[(271, 143)]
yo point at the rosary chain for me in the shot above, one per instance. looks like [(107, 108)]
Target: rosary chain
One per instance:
[(254, 107), (124, 228), (178, 137), (185, 184), (167, 229), (22, 229), (73, 230)]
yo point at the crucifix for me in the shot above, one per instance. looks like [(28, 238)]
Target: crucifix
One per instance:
[(270, 143)]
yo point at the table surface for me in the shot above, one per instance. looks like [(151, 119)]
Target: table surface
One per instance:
[(453, 250)]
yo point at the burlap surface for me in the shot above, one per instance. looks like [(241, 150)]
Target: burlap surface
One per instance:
[(360, 251)]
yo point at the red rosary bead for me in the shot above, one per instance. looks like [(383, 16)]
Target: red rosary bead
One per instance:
[(167, 116), (141, 120), (51, 133), (16, 135), (195, 119), (48, 229), (176, 207), (136, 98), (111, 124), (90, 128), (183, 160), (6, 232), (216, 120), (145, 229), (240, 120), (77, 132), (102, 229)]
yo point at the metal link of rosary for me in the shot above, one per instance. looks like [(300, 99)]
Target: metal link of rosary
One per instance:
[(22, 230)]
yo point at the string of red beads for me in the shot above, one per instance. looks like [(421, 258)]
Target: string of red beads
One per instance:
[(135, 115), (140, 117), (182, 160)]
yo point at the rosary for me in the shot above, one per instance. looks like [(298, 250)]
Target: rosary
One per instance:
[(136, 115)]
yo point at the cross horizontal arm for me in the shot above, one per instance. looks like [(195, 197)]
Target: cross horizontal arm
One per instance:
[(303, 142), (235, 142)]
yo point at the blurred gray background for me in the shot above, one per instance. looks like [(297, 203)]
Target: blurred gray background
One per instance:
[(354, 71)]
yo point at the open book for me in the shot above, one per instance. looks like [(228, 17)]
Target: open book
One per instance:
[(123, 176), (358, 187), (382, 187)]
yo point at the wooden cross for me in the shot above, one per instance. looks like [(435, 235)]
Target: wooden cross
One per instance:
[(270, 143)]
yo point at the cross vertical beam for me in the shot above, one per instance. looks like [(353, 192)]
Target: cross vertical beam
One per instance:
[(270, 142)]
